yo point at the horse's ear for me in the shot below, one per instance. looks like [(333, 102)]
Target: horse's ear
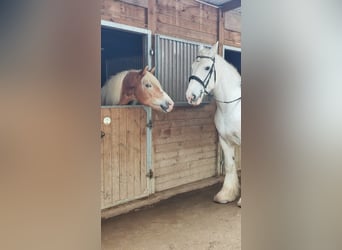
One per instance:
[(214, 49), (152, 70), (143, 71), (200, 47)]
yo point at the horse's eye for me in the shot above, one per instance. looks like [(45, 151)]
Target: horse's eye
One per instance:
[(148, 85), (207, 68)]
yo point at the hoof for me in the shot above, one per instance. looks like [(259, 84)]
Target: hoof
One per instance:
[(239, 202), (224, 197)]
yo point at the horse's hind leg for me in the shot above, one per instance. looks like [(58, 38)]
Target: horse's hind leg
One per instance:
[(231, 188)]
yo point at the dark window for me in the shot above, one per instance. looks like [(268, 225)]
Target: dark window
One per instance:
[(234, 58), (120, 50)]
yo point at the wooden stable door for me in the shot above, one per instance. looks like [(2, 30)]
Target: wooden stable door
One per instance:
[(124, 154)]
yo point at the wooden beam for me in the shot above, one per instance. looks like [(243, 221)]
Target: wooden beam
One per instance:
[(140, 3), (152, 16), (230, 5), (220, 31)]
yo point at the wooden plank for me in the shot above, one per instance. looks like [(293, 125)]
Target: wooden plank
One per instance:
[(124, 13), (232, 38), (115, 161), (143, 165), (182, 153), (220, 31), (196, 130), (137, 151), (107, 170), (168, 124), (199, 18), (131, 150), (184, 165), (152, 16), (123, 153), (187, 158), (187, 34), (181, 138), (206, 27), (185, 173), (232, 21), (161, 148), (188, 113), (186, 9), (189, 179)]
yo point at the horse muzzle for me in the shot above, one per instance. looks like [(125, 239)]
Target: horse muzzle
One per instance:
[(167, 106), (193, 98)]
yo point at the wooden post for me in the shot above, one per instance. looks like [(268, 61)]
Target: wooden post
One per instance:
[(220, 30), (151, 16)]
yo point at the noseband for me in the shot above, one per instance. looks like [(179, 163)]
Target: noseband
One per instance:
[(206, 80)]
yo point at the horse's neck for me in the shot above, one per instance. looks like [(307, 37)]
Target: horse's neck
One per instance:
[(115, 86), (228, 82)]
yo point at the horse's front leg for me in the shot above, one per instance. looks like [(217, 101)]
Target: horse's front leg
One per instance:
[(231, 188)]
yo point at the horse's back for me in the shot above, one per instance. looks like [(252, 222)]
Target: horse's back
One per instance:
[(111, 90)]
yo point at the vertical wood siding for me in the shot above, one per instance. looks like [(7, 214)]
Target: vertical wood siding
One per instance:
[(123, 155), (186, 19)]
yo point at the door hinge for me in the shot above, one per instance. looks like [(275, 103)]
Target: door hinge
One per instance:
[(149, 174), (149, 124)]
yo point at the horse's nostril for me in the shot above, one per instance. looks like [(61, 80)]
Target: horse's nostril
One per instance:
[(193, 97)]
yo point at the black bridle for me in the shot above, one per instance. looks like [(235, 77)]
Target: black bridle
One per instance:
[(206, 80)]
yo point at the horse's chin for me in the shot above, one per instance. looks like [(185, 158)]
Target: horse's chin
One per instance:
[(196, 102), (161, 108)]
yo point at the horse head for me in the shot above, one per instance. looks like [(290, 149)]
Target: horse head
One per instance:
[(203, 75), (146, 89)]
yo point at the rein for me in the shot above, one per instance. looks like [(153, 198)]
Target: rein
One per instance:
[(229, 101), (206, 80)]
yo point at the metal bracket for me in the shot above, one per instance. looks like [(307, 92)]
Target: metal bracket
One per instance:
[(149, 124), (149, 174)]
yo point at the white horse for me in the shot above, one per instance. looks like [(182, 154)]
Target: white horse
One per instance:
[(211, 74)]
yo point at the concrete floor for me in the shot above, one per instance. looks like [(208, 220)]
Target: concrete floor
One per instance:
[(186, 221)]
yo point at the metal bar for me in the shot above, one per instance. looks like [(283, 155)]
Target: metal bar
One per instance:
[(124, 27), (148, 111)]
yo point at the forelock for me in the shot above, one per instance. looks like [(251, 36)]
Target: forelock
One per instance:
[(152, 79), (204, 52)]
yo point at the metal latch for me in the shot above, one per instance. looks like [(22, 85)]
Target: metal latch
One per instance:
[(149, 174), (149, 124)]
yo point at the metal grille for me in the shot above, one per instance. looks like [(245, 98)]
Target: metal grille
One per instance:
[(173, 65)]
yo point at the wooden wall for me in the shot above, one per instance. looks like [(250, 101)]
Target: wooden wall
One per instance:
[(186, 19), (184, 146)]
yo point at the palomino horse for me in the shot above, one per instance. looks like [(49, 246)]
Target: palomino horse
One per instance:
[(136, 85), (211, 74)]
